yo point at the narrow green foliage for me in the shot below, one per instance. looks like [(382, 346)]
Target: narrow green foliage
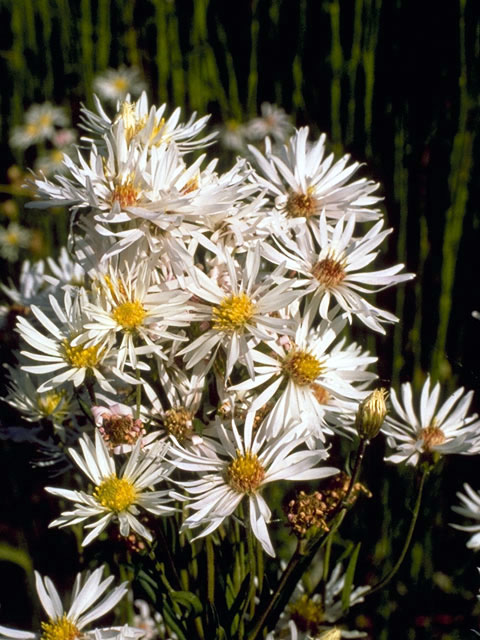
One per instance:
[(349, 575)]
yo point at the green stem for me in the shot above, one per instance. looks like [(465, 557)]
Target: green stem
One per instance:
[(300, 560), (138, 396), (343, 503), (210, 570), (289, 571), (250, 599), (326, 567), (306, 550), (408, 539)]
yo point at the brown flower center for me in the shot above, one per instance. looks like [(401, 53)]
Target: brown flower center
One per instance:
[(328, 272), (432, 436), (300, 205)]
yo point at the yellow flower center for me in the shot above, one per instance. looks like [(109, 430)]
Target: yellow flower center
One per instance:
[(45, 120), (120, 83), (329, 272), (133, 124), (125, 194), (233, 313), (307, 614), (49, 402), (300, 205), (32, 129), (79, 357), (12, 238), (116, 494), (302, 367), (245, 473), (59, 629), (432, 436), (129, 315)]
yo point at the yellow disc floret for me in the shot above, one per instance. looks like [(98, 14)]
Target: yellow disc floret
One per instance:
[(302, 367), (134, 124), (130, 315), (125, 194), (59, 629), (245, 473), (233, 313), (50, 402), (79, 357), (116, 494)]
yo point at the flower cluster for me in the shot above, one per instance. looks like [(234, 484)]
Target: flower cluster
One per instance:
[(193, 346)]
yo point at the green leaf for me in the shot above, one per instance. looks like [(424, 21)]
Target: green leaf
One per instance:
[(148, 585), (172, 622), (189, 600), (238, 604), (16, 556), (347, 587)]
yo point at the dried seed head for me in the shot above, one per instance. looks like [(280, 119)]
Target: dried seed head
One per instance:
[(307, 512)]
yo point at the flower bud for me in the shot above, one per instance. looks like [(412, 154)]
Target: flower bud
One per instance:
[(371, 414)]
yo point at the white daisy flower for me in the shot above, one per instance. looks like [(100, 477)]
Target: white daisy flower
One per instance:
[(241, 468), (116, 496), (435, 432), (315, 614), (61, 354), (148, 126), (114, 84), (130, 303), (304, 183), (238, 315), (12, 239), (40, 123), (233, 135), (335, 273), (469, 508), (31, 283), (180, 398), (66, 271), (54, 405), (273, 122), (308, 378), (88, 603)]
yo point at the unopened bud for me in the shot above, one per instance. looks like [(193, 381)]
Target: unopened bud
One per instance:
[(371, 414)]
